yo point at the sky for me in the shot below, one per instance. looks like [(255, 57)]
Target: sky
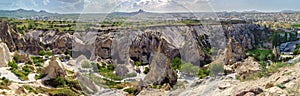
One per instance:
[(105, 6)]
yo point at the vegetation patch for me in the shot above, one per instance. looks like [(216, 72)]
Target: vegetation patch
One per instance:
[(4, 83), (261, 55), (146, 71), (267, 71), (131, 90), (38, 61), (40, 76), (133, 74), (21, 73), (215, 69), (86, 64), (108, 71)]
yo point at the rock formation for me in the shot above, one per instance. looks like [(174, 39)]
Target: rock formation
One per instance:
[(54, 69), (22, 58), (16, 41), (246, 67), (5, 56), (160, 71)]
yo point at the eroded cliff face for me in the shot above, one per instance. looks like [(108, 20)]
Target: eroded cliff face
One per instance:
[(16, 41), (5, 56), (195, 44), (199, 45)]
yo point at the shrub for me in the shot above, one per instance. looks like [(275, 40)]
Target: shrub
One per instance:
[(68, 52), (262, 55), (75, 84), (137, 63), (131, 90), (215, 69), (131, 75), (13, 64), (38, 61), (63, 92), (16, 58), (111, 67), (189, 69), (146, 71), (40, 76), (46, 53), (176, 63), (60, 81), (86, 64), (112, 75), (203, 73), (42, 53), (27, 68), (21, 74), (281, 86)]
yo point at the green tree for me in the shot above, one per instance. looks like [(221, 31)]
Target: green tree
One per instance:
[(146, 70), (13, 64), (276, 39), (60, 81), (176, 63)]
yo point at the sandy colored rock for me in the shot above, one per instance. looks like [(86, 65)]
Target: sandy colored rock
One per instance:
[(160, 71), (246, 67), (54, 69), (22, 58), (5, 56), (254, 90)]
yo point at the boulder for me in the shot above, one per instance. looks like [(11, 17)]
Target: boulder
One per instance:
[(276, 91), (249, 91), (54, 69), (224, 85), (5, 56)]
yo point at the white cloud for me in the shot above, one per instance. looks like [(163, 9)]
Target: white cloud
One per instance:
[(45, 2), (148, 5)]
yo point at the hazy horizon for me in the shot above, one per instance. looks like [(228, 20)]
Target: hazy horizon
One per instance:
[(158, 6)]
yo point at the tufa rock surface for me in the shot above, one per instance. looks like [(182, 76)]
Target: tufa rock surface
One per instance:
[(5, 56), (54, 69)]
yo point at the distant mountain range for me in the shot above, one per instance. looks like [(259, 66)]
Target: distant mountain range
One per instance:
[(290, 11), (22, 13)]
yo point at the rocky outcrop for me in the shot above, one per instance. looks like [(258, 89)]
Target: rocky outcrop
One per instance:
[(59, 42), (244, 68), (121, 70), (16, 41), (5, 56), (86, 84), (249, 91), (22, 58), (103, 47), (234, 52), (160, 71), (54, 69)]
